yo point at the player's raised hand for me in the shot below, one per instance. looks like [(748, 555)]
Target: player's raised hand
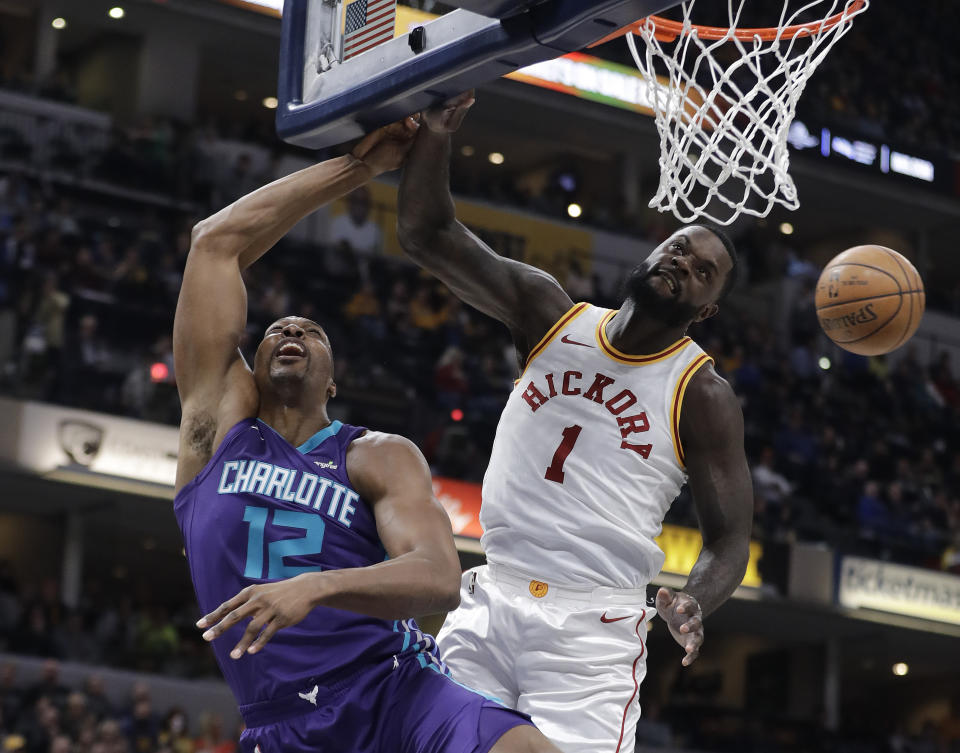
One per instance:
[(386, 148), (447, 117), (683, 616), (269, 606)]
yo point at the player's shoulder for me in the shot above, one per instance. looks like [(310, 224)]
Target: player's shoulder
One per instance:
[(710, 406), (382, 449), (708, 387), (378, 461)]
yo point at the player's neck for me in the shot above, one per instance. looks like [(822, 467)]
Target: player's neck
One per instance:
[(294, 422), (630, 331)]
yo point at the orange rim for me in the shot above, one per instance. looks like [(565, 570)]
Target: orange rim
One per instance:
[(666, 30)]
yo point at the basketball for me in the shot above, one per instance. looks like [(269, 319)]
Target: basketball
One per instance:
[(869, 300)]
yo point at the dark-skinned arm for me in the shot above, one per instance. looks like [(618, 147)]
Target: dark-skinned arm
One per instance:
[(526, 299), (711, 430), (422, 575)]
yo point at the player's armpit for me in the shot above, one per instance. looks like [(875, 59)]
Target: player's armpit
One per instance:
[(711, 429)]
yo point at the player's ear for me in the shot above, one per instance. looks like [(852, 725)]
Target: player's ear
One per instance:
[(331, 390), (707, 311)]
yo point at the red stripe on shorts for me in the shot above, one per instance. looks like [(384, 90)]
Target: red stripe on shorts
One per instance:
[(636, 685)]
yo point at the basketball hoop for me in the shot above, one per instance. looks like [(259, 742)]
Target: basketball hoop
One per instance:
[(723, 125)]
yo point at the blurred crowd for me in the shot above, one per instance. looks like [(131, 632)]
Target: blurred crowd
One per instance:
[(48, 716), (890, 78), (130, 627)]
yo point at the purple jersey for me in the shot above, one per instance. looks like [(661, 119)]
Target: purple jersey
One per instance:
[(263, 510)]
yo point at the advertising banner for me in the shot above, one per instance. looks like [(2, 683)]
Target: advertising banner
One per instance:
[(898, 589), (52, 438)]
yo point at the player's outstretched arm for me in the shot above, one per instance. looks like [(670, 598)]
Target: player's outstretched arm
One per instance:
[(421, 576), (216, 387), (711, 430), (526, 299)]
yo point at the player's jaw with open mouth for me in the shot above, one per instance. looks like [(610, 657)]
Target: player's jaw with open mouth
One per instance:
[(290, 350), (669, 280)]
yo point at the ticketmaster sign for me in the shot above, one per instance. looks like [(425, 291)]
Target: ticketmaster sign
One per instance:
[(911, 591)]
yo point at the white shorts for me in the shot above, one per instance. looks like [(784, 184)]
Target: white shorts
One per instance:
[(573, 659)]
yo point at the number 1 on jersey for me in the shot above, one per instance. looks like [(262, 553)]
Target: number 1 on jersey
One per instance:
[(570, 436)]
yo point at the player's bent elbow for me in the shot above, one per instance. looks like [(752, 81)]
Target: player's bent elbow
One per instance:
[(203, 237), (415, 237), (200, 233), (448, 592)]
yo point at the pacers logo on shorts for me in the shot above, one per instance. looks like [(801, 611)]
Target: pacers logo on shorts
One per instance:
[(538, 589)]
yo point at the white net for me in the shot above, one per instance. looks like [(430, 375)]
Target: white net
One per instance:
[(723, 107)]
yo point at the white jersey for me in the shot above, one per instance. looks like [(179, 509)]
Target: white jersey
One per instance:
[(587, 457)]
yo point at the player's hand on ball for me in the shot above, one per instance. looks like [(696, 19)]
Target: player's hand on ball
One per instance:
[(682, 614), (447, 117), (386, 148), (269, 606)]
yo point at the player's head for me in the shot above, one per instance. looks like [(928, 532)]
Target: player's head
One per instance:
[(685, 277), (295, 354)]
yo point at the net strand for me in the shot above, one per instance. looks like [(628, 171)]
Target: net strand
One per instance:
[(723, 143)]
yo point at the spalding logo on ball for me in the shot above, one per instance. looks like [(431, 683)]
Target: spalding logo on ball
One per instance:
[(870, 300)]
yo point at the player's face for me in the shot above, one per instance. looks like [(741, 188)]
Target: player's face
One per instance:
[(683, 277), (295, 350)]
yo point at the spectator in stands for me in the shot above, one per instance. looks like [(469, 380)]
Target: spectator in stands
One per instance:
[(276, 297), (944, 380), (96, 695), (768, 485), (140, 724), (43, 342), (429, 310), (872, 514), (74, 642), (212, 739), (110, 736), (450, 379), (579, 286), (397, 307), (61, 744), (85, 358), (795, 444), (354, 234), (174, 735), (363, 310), (238, 181), (11, 696), (131, 277), (75, 714), (157, 638), (33, 636)]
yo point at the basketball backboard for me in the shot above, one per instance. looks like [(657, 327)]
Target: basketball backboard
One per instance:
[(325, 100)]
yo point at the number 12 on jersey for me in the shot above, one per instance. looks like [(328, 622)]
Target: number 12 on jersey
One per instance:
[(310, 543), (555, 470)]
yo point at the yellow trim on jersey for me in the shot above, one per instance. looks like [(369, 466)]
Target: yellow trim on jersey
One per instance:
[(564, 320), (676, 404), (634, 360)]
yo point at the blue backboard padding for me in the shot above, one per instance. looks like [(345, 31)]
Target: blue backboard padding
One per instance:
[(494, 8), (548, 30)]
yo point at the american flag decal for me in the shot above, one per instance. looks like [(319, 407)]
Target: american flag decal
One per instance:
[(368, 23)]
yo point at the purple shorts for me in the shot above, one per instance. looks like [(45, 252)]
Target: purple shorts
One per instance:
[(410, 708)]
